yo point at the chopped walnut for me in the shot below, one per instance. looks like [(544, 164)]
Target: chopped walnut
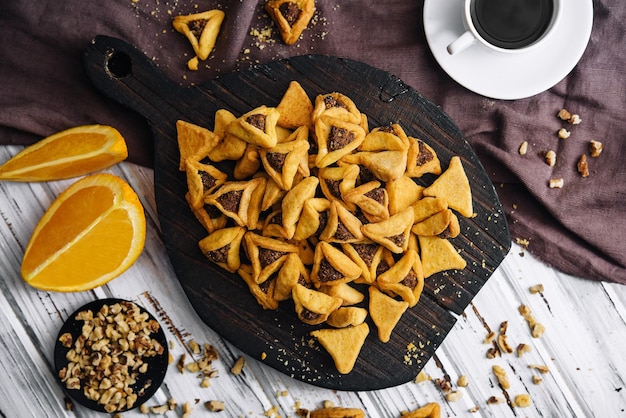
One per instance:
[(504, 344), (595, 148), (181, 363), (454, 396), (575, 119), (523, 349), (474, 409), (443, 384), (541, 368), (462, 381), (489, 337), (523, 148), (537, 380), (215, 406), (522, 401), (563, 133), (583, 166), (538, 330), (564, 114), (556, 183), (194, 346), (550, 158), (238, 366), (495, 400), (502, 377), (538, 288)]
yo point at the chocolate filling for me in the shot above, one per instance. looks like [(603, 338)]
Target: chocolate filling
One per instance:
[(377, 195), (424, 155), (197, 26), (330, 101), (309, 315), (220, 255), (410, 280), (365, 175), (327, 273), (387, 128), (382, 267), (366, 252), (265, 286), (342, 233), (230, 200), (339, 138), (267, 256), (397, 239), (276, 219), (333, 188), (208, 180), (290, 12), (276, 160), (258, 121), (212, 211), (323, 217)]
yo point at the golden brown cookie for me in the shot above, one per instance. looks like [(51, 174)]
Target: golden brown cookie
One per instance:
[(335, 138), (266, 254), (291, 17), (222, 247), (263, 292), (312, 306), (210, 217), (343, 344), (385, 165), (291, 273), (405, 278), (283, 161), (293, 203), (402, 193), (366, 255), (453, 186), (313, 218), (347, 316), (295, 107), (372, 198), (332, 266), (421, 159), (201, 29), (392, 233), (439, 254), (342, 226), (386, 312), (194, 142), (202, 180), (258, 127), (386, 138)]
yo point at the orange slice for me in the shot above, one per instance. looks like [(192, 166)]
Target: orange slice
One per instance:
[(70, 153), (89, 235)]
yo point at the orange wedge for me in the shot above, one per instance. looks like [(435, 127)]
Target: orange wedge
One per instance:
[(66, 154), (89, 235)]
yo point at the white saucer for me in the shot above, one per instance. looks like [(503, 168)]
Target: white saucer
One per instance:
[(508, 76)]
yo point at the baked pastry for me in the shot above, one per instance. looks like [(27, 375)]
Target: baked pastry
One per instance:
[(338, 106), (293, 203), (266, 254), (257, 127), (210, 217), (385, 165), (295, 108), (335, 181), (222, 247), (202, 180), (386, 312), (367, 256), (402, 193), (346, 316), (438, 254), (335, 139), (343, 344), (332, 266), (313, 218), (453, 186), (386, 138), (348, 294), (393, 232), (372, 198), (428, 206), (201, 29), (291, 17), (342, 226), (194, 142), (263, 292), (239, 200), (283, 161), (421, 159), (405, 278), (248, 164), (291, 273), (312, 306), (435, 224)]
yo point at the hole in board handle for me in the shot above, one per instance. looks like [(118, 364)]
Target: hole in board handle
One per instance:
[(119, 64)]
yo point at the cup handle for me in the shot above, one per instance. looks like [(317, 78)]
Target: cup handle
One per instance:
[(460, 43)]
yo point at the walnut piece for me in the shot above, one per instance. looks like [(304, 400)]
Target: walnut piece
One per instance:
[(556, 183), (550, 158), (522, 401), (563, 133), (583, 166), (523, 148), (538, 288), (502, 377), (215, 406), (595, 148)]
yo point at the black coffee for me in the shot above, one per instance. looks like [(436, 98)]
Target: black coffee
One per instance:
[(511, 24)]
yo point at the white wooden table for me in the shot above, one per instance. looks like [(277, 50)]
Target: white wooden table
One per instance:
[(582, 346)]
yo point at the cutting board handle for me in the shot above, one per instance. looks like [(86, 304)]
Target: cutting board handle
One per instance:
[(126, 75)]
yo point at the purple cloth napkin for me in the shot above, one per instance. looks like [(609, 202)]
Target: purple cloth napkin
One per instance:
[(580, 228)]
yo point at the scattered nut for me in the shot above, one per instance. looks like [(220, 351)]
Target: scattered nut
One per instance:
[(502, 377), (462, 381), (181, 363), (504, 344), (336, 412), (215, 406), (489, 337), (538, 288), (453, 396), (523, 148), (556, 183), (538, 330), (575, 119), (444, 385), (563, 133), (564, 114), (550, 158), (194, 346), (523, 349), (582, 166), (474, 409), (595, 148), (541, 368), (238, 366), (159, 409), (522, 401), (495, 400), (537, 380)]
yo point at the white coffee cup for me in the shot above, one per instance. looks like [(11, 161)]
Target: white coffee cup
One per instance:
[(507, 26)]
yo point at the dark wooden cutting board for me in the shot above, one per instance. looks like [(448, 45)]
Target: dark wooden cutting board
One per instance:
[(222, 300)]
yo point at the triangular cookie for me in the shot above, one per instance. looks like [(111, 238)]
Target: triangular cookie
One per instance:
[(335, 139), (222, 247), (264, 292), (194, 142), (453, 186), (342, 225), (202, 179), (386, 165), (331, 266), (421, 159), (439, 254), (372, 198), (405, 278), (343, 344), (201, 29), (295, 107), (386, 312), (291, 17), (402, 192), (312, 306), (282, 161), (266, 254), (393, 232)]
